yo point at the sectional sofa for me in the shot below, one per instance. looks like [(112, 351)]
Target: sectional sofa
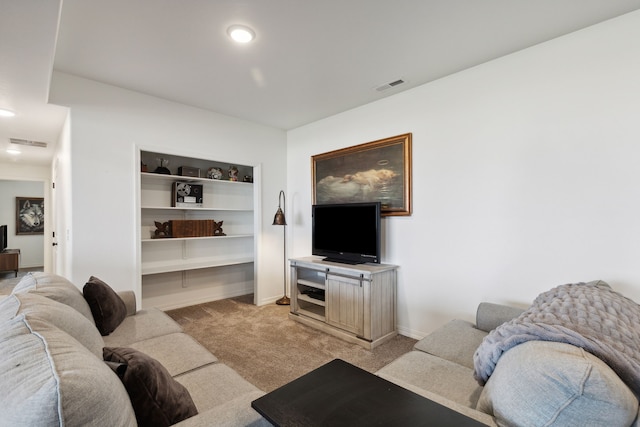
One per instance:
[(53, 369), (90, 359)]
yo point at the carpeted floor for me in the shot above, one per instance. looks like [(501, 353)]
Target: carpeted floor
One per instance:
[(267, 348)]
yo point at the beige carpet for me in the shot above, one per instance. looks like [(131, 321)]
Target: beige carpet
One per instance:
[(267, 348)]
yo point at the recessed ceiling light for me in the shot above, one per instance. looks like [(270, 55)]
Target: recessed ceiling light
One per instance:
[(241, 34), (13, 151), (6, 113)]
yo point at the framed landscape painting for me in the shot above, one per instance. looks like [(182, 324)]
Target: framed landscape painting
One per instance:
[(29, 215), (378, 171)]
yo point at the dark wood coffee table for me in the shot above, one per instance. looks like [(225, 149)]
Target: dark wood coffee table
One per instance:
[(340, 394)]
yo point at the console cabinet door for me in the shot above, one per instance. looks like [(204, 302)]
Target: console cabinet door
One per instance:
[(344, 303)]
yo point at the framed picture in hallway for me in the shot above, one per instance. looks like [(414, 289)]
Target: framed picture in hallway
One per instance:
[(378, 171), (29, 215)]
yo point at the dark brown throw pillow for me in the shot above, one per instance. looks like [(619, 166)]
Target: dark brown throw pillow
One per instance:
[(106, 306), (157, 399)]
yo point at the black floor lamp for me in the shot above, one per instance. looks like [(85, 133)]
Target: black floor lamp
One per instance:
[(279, 219)]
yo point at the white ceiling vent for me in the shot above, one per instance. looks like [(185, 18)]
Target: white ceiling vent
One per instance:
[(386, 86), (27, 142)]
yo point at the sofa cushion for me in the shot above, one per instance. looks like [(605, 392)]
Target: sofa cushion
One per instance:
[(215, 385), (556, 384), (56, 288), (146, 324), (234, 413), (192, 354), (470, 412), (489, 316), (48, 378), (157, 399), (107, 307), (34, 306), (428, 372), (456, 341)]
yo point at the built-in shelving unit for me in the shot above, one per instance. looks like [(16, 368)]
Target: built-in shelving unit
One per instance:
[(180, 271)]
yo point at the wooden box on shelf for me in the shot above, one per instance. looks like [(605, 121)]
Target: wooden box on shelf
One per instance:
[(194, 228)]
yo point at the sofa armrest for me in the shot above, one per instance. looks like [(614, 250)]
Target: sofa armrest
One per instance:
[(489, 316), (129, 298)]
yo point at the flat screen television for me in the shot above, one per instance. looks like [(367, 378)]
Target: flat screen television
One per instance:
[(3, 237), (346, 232)]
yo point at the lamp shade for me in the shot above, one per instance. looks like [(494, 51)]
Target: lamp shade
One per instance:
[(279, 218)]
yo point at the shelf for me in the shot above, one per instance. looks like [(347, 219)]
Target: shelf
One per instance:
[(174, 208), (312, 284), (163, 177), (189, 264), (176, 239), (315, 301)]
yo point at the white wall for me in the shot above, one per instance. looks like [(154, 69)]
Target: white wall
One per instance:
[(107, 126), (525, 176), (61, 202), (31, 245)]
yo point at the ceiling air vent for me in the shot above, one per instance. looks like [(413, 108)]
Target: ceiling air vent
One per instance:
[(27, 142), (389, 85)]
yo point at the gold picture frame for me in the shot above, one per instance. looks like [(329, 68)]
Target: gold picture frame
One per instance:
[(371, 172)]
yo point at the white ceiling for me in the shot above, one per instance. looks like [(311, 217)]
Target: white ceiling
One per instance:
[(309, 60)]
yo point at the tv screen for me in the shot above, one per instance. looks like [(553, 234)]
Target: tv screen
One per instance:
[(3, 237), (348, 232)]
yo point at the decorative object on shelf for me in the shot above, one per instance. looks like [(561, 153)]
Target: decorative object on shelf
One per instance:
[(143, 167), (217, 229), (195, 228), (189, 171), (279, 219), (186, 195), (162, 166), (29, 215), (247, 178), (378, 171), (214, 173), (233, 173), (162, 230)]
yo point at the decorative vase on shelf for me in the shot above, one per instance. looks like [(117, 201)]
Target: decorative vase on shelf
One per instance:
[(214, 173), (162, 166), (233, 173)]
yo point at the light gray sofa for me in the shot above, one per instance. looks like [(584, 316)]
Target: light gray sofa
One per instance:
[(521, 390), (52, 370), (440, 367)]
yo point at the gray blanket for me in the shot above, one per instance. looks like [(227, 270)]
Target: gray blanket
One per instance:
[(588, 315)]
